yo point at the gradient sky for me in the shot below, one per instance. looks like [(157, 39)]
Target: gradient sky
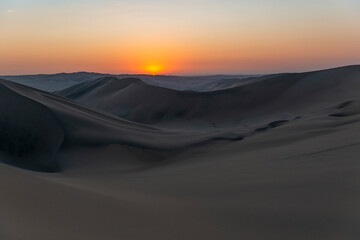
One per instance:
[(177, 37)]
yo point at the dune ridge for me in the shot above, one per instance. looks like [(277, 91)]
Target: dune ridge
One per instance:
[(59, 81), (75, 124), (289, 95), (163, 119)]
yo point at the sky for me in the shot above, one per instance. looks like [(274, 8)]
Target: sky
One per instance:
[(187, 37)]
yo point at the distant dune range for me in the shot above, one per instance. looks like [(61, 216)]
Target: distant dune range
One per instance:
[(225, 103), (256, 157), (56, 82)]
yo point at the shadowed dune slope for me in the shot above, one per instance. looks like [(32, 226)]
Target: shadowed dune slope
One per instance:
[(35, 124), (29, 132), (287, 95)]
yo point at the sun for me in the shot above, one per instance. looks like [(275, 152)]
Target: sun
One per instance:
[(153, 68)]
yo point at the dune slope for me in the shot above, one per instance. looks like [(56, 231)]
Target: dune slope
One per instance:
[(35, 124), (30, 133), (281, 95)]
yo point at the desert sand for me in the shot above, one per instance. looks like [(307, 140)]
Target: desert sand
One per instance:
[(269, 157)]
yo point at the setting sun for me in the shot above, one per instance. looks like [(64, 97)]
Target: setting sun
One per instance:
[(153, 68)]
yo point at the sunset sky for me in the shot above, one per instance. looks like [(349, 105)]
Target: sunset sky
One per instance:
[(177, 37)]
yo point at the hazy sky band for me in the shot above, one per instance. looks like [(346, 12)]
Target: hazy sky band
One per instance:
[(178, 37)]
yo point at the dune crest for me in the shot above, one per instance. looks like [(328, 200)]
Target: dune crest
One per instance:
[(35, 124), (243, 102)]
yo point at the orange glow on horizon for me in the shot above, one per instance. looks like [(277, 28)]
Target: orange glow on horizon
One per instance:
[(178, 37), (153, 69)]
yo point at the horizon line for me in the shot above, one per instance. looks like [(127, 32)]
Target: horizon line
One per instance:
[(185, 75)]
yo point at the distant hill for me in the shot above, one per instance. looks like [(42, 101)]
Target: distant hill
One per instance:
[(56, 82)]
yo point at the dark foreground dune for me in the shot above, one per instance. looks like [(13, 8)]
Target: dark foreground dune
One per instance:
[(275, 157), (56, 122)]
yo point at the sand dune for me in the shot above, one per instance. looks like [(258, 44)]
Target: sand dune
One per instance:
[(66, 122), (170, 171), (57, 82), (30, 132), (275, 96)]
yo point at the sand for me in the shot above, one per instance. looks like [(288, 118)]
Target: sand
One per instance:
[(281, 161), (252, 101)]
